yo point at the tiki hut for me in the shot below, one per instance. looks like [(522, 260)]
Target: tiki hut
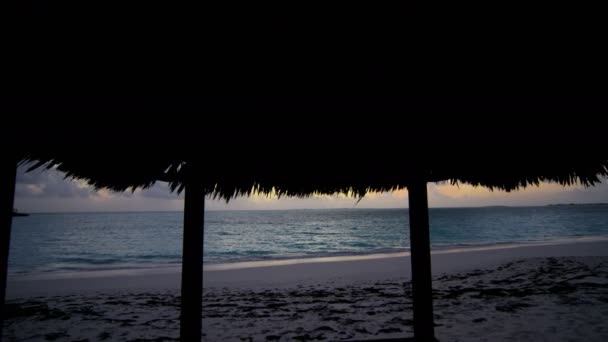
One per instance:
[(367, 60), (225, 161)]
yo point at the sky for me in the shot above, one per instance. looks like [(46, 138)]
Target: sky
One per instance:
[(48, 191)]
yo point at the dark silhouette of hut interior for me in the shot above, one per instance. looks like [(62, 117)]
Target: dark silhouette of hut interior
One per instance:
[(225, 102), (199, 163)]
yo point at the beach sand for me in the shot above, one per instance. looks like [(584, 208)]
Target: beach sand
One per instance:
[(549, 292)]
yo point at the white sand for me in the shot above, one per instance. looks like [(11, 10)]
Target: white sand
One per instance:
[(481, 295)]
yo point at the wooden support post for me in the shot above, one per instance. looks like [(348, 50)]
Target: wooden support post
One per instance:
[(8, 170), (420, 246), (192, 263)]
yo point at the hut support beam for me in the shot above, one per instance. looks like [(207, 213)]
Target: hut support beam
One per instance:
[(8, 170), (420, 246), (192, 264)]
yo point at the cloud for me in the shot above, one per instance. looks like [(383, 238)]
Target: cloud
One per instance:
[(446, 195), (48, 184), (159, 190), (53, 184), (49, 191)]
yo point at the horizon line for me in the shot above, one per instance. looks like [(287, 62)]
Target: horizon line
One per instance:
[(293, 209)]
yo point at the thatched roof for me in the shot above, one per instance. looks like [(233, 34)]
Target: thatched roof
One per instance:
[(302, 175), (318, 60), (304, 155)]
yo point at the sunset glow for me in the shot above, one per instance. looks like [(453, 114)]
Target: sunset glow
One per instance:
[(49, 191)]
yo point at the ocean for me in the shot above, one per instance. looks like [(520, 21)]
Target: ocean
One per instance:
[(73, 242)]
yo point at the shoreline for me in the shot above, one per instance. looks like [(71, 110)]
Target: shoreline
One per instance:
[(371, 256), (293, 272), (227, 266)]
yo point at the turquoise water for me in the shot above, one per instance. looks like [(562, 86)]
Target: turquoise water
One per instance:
[(93, 241)]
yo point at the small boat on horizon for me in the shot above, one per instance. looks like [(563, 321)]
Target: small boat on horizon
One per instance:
[(17, 213)]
